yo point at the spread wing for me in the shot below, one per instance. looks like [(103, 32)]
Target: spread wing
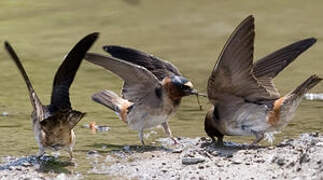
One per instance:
[(160, 68), (270, 66), (138, 81), (67, 71), (37, 105), (232, 74)]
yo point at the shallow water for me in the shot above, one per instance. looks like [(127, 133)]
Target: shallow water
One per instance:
[(190, 35)]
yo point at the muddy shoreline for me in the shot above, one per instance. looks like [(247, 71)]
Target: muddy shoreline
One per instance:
[(299, 158)]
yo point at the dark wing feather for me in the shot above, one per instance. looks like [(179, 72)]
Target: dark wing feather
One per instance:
[(232, 73), (37, 105), (67, 71), (138, 81), (275, 62), (160, 68), (270, 66)]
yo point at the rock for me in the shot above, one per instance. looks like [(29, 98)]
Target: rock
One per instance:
[(236, 162), (177, 150), (92, 152), (304, 158), (190, 161), (279, 161)]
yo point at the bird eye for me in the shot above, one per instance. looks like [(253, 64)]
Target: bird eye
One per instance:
[(185, 87)]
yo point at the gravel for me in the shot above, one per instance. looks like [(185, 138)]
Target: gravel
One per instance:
[(197, 158)]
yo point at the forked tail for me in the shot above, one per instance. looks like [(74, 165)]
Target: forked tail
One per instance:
[(113, 102), (306, 85), (32, 94)]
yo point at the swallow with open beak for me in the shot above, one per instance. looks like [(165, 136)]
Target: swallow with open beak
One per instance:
[(152, 90), (53, 124), (245, 100)]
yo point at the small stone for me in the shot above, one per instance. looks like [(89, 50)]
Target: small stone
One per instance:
[(280, 162), (163, 164), (126, 148), (203, 139), (5, 114), (11, 168), (260, 161), (177, 150), (26, 164), (229, 156), (215, 153), (236, 162), (164, 171), (304, 158), (190, 161), (219, 164), (315, 134), (292, 164), (91, 152), (201, 167)]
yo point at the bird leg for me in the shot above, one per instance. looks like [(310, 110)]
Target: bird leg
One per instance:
[(70, 152), (168, 131), (259, 137), (219, 141), (141, 137), (41, 151)]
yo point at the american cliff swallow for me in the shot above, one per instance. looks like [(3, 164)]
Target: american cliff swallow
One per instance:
[(53, 124), (244, 98), (152, 89)]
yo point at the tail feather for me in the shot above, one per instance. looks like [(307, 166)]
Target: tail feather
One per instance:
[(307, 85), (109, 99)]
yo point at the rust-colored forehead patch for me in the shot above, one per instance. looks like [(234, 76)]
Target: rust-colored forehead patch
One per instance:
[(274, 114)]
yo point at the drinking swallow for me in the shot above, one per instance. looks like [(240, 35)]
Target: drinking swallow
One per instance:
[(152, 89), (53, 124), (245, 100)]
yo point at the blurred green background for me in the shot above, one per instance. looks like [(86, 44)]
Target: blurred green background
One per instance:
[(189, 33)]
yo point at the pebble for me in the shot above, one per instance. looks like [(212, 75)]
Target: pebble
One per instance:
[(281, 162), (91, 152), (236, 162), (4, 113), (190, 161)]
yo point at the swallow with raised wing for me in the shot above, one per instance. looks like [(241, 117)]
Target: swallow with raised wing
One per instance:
[(53, 124), (152, 90), (244, 98)]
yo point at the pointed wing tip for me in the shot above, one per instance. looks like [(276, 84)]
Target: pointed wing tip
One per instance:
[(311, 41), (249, 18), (91, 37), (8, 46)]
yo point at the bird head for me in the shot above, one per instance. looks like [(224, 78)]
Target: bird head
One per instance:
[(183, 85)]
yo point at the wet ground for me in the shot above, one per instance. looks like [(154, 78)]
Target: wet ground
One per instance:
[(299, 158), (190, 34)]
